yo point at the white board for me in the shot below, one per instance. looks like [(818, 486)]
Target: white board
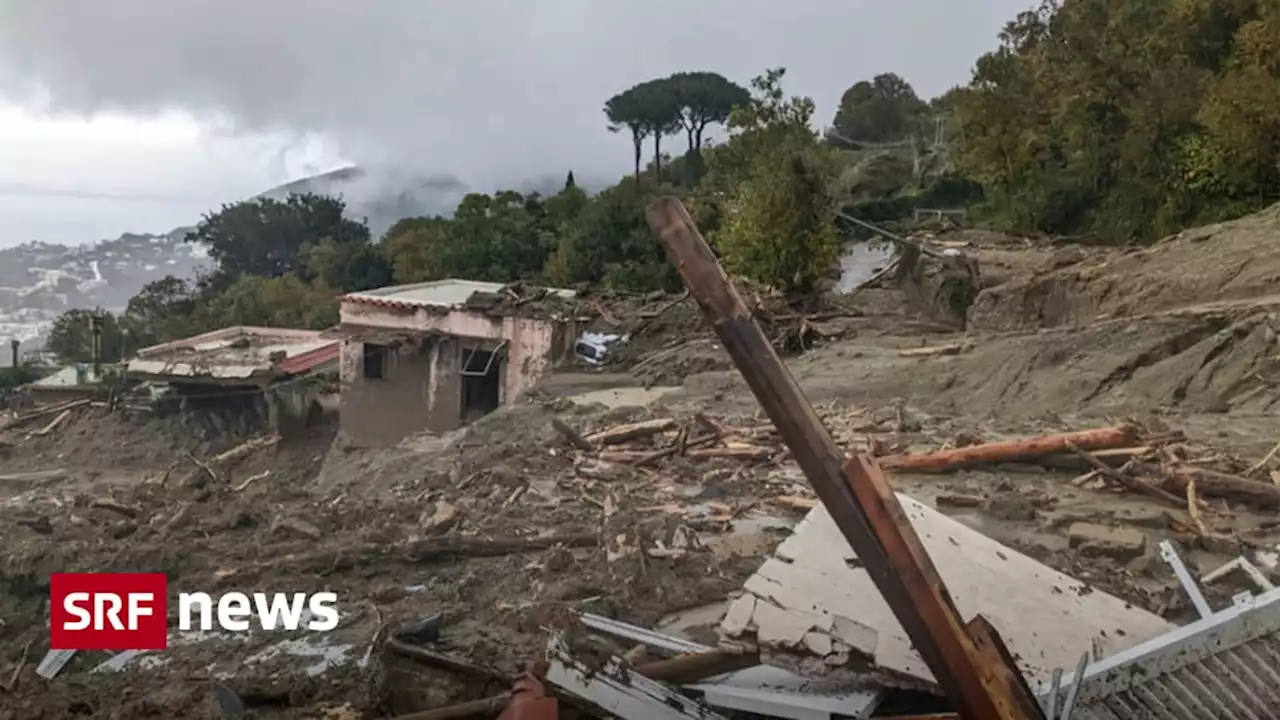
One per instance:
[(813, 608)]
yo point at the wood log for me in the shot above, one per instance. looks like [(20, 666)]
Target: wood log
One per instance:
[(53, 424), (32, 478), (1127, 481), (641, 459), (243, 450), (44, 412), (227, 458), (959, 501), (958, 458), (634, 431), (1210, 483), (633, 457), (1113, 457), (796, 502), (737, 452), (573, 436), (716, 426)]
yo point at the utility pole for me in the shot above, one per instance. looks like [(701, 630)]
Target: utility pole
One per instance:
[(969, 660), (14, 344), (95, 326)]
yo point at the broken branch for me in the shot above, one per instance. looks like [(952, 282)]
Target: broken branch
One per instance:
[(634, 431)]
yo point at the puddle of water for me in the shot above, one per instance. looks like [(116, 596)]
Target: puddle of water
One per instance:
[(860, 260), (622, 397)]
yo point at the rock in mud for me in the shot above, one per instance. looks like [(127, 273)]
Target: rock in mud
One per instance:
[(441, 518), (1010, 506), (1104, 541)]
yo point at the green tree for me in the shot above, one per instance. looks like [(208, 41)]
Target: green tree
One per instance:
[(886, 109), (625, 111), (502, 237), (71, 337), (1125, 120), (1241, 112), (704, 98), (660, 111), (347, 267), (161, 312), (608, 242), (270, 237), (281, 301), (773, 186), (411, 244)]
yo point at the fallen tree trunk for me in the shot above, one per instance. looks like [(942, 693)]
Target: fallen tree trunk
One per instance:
[(946, 460), (1210, 483)]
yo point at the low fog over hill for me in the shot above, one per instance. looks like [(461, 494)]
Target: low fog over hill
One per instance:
[(40, 280)]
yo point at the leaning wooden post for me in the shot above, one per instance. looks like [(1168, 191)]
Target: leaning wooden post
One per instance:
[(979, 680)]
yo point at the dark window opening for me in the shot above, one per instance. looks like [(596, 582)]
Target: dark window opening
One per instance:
[(375, 360), (481, 383)]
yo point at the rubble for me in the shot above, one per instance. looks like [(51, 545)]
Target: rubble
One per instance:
[(557, 510), (1116, 542)]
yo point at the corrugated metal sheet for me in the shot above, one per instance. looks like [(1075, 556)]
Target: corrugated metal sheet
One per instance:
[(1224, 667), (1239, 683), (310, 360)]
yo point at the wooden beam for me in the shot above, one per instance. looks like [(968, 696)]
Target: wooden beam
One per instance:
[(856, 495)]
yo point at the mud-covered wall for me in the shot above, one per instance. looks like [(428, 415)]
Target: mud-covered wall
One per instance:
[(532, 347), (383, 411), (446, 386)]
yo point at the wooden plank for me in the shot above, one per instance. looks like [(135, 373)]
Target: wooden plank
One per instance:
[(867, 514)]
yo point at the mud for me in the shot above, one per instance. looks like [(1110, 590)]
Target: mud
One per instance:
[(1236, 261), (1036, 358)]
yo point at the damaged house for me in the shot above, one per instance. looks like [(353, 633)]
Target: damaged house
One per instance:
[(436, 355), (253, 370)]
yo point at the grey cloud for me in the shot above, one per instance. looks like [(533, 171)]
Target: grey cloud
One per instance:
[(494, 91)]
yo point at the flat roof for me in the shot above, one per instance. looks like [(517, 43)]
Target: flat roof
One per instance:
[(240, 351), (448, 293)]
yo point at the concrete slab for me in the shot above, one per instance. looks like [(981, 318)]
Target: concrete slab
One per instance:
[(813, 608)]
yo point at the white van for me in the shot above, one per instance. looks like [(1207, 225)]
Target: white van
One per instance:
[(592, 347)]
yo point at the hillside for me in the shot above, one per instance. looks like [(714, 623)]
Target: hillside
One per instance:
[(38, 281)]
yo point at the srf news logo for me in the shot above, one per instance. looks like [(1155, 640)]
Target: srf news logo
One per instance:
[(129, 611)]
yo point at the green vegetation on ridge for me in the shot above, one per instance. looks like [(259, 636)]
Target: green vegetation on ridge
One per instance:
[(1123, 120)]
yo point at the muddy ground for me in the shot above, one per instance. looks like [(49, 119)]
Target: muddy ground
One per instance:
[(1055, 342)]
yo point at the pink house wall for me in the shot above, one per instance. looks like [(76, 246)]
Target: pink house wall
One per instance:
[(533, 345)]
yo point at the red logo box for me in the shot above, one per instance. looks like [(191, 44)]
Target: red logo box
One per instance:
[(108, 611)]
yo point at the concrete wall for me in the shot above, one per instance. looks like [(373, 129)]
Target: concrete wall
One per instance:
[(446, 385), (381, 412), (294, 409), (534, 346)]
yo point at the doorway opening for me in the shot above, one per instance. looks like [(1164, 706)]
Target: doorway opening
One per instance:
[(481, 382)]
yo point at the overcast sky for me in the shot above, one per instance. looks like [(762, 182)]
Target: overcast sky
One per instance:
[(138, 115)]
